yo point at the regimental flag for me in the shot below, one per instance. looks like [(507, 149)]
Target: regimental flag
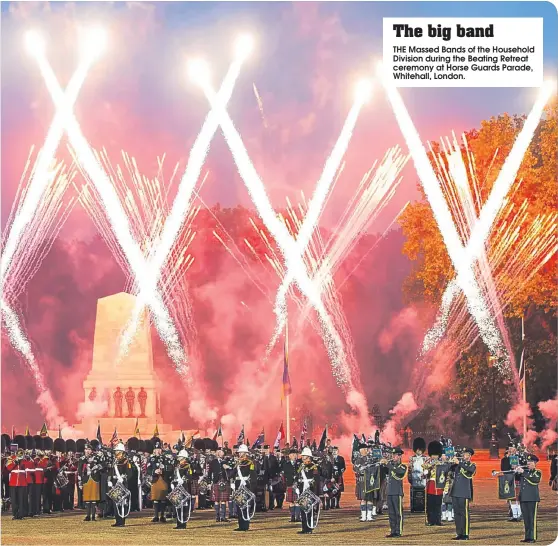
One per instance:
[(44, 431), (137, 430), (99, 437), (193, 436), (183, 438), (323, 440), (156, 431), (287, 388), (13, 432), (295, 443), (215, 435), (27, 431), (59, 432), (219, 432), (280, 435), (522, 359), (259, 440), (114, 439), (241, 437), (303, 433)]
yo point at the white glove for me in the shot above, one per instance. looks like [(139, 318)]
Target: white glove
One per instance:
[(109, 484), (172, 486), (180, 482), (324, 488), (233, 486), (297, 491), (120, 480)]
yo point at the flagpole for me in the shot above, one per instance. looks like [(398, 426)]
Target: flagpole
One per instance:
[(524, 379), (288, 397)]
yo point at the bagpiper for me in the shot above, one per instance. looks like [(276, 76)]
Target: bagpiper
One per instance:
[(158, 469), (289, 470), (366, 471), (396, 472), (245, 476), (89, 481), (339, 468), (462, 492), (529, 496), (219, 477)]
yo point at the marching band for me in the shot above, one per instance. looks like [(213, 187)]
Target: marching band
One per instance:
[(40, 476)]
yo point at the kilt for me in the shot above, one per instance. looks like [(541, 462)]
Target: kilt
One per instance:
[(159, 490), (291, 495), (91, 491), (194, 487), (221, 496)]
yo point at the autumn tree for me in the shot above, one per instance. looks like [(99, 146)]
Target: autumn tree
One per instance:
[(432, 268)]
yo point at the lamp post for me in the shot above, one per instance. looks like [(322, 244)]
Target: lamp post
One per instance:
[(494, 447)]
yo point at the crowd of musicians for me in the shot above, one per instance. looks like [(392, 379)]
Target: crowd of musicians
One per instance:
[(42, 476)]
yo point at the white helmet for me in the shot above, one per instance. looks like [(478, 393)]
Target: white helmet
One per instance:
[(306, 452), (243, 448), (120, 447), (183, 454)]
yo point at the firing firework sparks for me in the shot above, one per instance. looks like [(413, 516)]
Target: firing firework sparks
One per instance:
[(476, 302), (480, 230), (280, 233), (118, 219), (181, 205)]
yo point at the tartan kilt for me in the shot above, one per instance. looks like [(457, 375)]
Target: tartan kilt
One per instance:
[(291, 495), (159, 490), (221, 496), (194, 487)]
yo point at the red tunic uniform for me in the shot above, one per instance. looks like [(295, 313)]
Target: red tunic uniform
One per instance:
[(18, 476), (29, 471)]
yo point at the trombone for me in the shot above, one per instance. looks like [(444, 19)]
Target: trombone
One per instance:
[(502, 472)]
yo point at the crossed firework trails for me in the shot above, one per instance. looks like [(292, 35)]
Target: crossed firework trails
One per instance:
[(463, 258), (115, 213), (289, 246), (175, 220)]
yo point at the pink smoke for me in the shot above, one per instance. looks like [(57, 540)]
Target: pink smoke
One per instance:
[(515, 419), (549, 410), (402, 409), (91, 408)]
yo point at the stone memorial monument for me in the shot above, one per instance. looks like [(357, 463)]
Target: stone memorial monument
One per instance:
[(126, 389)]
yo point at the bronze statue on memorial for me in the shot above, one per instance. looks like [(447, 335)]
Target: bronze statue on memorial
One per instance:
[(130, 397), (118, 396), (142, 399)]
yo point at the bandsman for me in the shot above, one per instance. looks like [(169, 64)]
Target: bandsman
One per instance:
[(308, 478), (289, 469), (245, 475), (120, 472), (462, 492), (396, 472), (157, 468), (529, 496)]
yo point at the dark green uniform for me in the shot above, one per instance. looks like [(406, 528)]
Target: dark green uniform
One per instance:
[(529, 500), (461, 494), (396, 473)]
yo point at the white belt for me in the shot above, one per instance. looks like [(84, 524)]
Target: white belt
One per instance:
[(30, 470), (18, 471)]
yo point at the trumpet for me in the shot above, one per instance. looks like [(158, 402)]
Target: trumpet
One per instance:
[(502, 472)]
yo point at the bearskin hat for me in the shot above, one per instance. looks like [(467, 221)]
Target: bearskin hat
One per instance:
[(6, 441), (148, 446), (419, 443), (133, 444), (71, 446), (47, 443), (20, 441), (60, 445), (95, 444), (199, 444), (80, 445), (141, 446), (29, 442), (38, 439), (435, 448)]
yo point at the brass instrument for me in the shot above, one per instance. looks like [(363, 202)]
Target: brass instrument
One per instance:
[(502, 472)]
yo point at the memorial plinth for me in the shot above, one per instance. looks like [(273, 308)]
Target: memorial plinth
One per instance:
[(121, 391)]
